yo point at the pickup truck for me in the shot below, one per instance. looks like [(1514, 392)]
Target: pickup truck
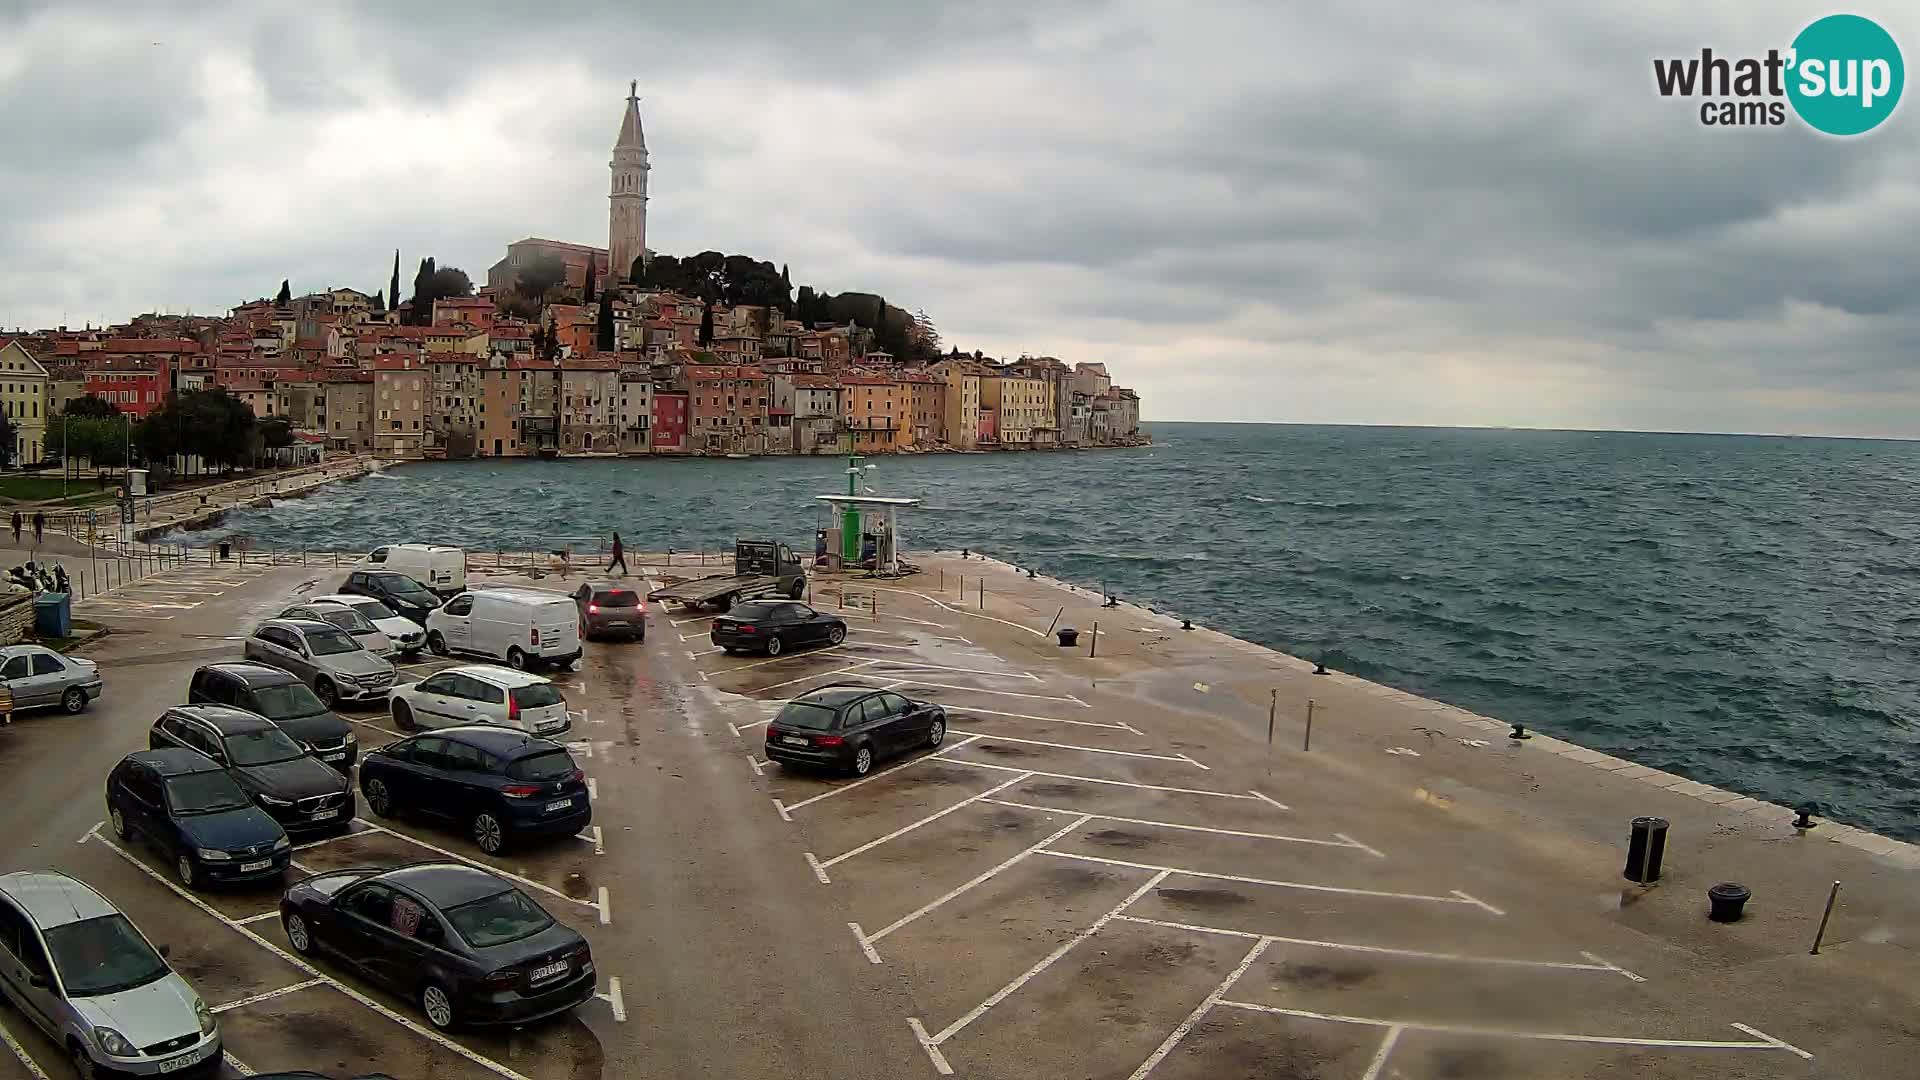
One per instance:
[(761, 568)]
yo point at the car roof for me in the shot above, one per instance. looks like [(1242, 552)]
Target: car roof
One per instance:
[(503, 741), (252, 674), (606, 586), (343, 599), (519, 592), (22, 650), (54, 899), (175, 761), (836, 695), (225, 719), (497, 675), (390, 574), (305, 626), (446, 884)]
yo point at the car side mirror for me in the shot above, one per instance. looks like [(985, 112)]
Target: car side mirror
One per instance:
[(38, 982)]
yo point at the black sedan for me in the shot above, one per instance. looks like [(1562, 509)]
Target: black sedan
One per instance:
[(191, 810), (851, 727), (460, 941), (499, 784), (773, 626), (303, 795), (407, 597)]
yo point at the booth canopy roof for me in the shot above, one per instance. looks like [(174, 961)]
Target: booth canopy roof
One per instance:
[(867, 500)]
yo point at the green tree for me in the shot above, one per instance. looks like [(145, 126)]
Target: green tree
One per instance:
[(286, 294), (90, 405), (588, 295), (393, 287), (276, 432), (706, 324), (100, 440), (8, 435), (436, 283), (603, 330), (540, 277), (379, 300)]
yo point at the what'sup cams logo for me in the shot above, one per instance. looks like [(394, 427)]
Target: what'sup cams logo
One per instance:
[(1842, 75)]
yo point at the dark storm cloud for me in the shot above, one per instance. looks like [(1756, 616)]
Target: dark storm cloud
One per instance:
[(1365, 212)]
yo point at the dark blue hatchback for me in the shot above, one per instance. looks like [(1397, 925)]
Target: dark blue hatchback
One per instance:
[(499, 785), (187, 806)]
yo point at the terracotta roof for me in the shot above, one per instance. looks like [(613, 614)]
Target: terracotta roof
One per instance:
[(590, 363), (717, 372), (150, 345), (582, 248), (815, 382), (349, 377), (122, 365), (396, 363)]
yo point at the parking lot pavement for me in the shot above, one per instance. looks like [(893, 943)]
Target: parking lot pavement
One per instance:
[(168, 594)]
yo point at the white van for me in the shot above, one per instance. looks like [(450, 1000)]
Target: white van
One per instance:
[(442, 569), (524, 627)]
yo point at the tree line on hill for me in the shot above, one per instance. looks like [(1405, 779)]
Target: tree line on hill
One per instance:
[(212, 425)]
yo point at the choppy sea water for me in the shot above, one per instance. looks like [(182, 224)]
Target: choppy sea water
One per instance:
[(1741, 610)]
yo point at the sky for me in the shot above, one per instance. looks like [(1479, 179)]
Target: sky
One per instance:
[(1372, 212)]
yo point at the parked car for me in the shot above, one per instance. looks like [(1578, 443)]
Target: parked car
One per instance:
[(341, 617), (303, 795), (501, 786), (851, 727), (461, 942), (325, 657), (191, 810), (437, 566), (773, 626), (524, 627), (407, 597), (482, 694), (282, 698), (40, 678), (407, 635), (87, 977), (607, 609)]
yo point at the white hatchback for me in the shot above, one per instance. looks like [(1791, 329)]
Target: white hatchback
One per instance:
[(407, 636), (482, 694)]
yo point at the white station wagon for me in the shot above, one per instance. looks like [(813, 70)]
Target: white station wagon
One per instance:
[(482, 694)]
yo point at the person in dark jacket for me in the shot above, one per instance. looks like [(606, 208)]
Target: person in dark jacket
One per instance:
[(619, 557), (17, 522)]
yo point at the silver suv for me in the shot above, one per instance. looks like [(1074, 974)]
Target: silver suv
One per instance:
[(85, 975), (324, 657)]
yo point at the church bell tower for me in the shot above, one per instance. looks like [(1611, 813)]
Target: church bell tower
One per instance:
[(627, 212)]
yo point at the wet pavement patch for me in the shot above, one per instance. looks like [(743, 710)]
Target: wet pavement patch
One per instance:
[(1120, 838), (1052, 791), (1071, 879), (1203, 898), (1326, 977), (1002, 750)]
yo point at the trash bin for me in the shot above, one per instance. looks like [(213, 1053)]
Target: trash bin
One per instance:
[(1646, 846), (53, 615)]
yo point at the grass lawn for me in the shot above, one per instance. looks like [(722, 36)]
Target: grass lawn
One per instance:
[(36, 488)]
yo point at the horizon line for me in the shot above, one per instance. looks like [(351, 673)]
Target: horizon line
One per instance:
[(1523, 427)]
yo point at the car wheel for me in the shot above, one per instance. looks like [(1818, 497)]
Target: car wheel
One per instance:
[(74, 700), (403, 716), (938, 733), (183, 868), (379, 797), (437, 644), (119, 822), (328, 694), (836, 635), (775, 646), (729, 650), (83, 1066), (863, 761), (298, 935), (799, 590), (438, 1005), (516, 659), (488, 834)]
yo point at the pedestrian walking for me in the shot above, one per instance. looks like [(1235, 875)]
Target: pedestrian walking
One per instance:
[(39, 526), (17, 522), (619, 557)]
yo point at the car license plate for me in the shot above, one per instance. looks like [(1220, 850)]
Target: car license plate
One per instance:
[(323, 815), (250, 867), (558, 967), (559, 804), (794, 740), (186, 1060), (341, 756)]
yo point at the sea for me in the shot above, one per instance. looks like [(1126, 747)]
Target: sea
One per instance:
[(1741, 610)]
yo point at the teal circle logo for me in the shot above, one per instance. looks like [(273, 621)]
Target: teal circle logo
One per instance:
[(1846, 75)]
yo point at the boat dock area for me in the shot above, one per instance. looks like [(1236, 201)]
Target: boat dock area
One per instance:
[(1105, 868)]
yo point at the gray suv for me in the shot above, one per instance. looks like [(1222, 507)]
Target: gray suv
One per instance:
[(324, 657), (85, 975)]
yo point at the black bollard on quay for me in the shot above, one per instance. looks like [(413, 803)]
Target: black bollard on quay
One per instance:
[(1646, 847), (1068, 636), (1726, 901)]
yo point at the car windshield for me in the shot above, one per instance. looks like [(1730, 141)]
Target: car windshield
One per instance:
[(498, 919), (287, 702), (805, 714), (546, 766), (263, 747), (406, 588), (537, 696), (331, 643), (617, 598), (373, 609), (103, 955), (204, 793), (347, 619)]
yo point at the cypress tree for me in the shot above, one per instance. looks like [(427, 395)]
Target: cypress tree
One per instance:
[(604, 331), (393, 287), (286, 294), (706, 324)]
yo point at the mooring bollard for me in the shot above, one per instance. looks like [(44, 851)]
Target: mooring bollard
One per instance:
[(1186, 624), (1646, 847), (1726, 900), (1319, 667), (1832, 895), (1519, 732), (983, 594), (1069, 637), (1805, 818), (1273, 711)]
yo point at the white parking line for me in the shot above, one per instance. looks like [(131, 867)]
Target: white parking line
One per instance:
[(867, 940), (592, 834), (1302, 885), (825, 674), (615, 1000), (261, 917), (844, 788), (963, 670), (821, 867), (441, 1040), (968, 689), (1381, 1055), (20, 1052), (1343, 842), (371, 724), (756, 763), (962, 611), (1086, 749), (266, 995), (1100, 780), (235, 1063), (1417, 954), (1206, 1005), (1766, 1042)]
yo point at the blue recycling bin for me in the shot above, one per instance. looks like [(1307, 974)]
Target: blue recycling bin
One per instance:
[(53, 614)]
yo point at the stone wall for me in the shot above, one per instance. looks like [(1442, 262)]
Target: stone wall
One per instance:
[(16, 617)]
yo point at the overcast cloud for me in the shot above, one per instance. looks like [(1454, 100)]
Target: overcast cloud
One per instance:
[(1370, 212)]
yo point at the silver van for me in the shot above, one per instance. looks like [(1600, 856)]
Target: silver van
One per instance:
[(85, 975)]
